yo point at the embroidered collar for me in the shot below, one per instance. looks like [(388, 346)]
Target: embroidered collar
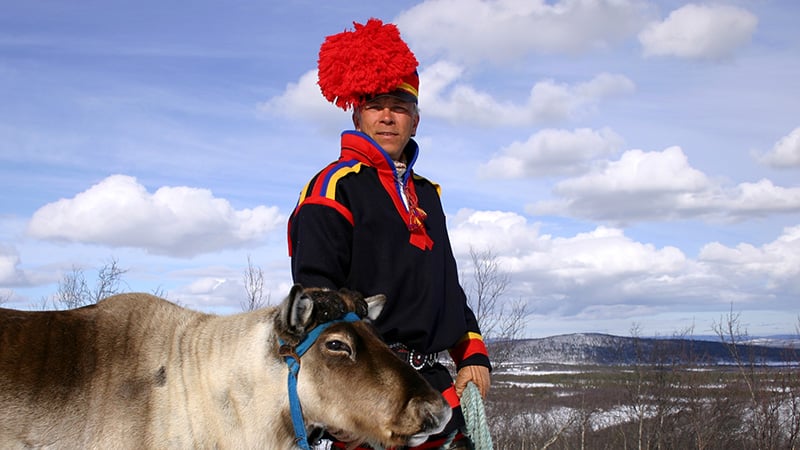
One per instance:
[(360, 147)]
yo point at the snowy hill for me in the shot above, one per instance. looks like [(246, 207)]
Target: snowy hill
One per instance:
[(593, 348)]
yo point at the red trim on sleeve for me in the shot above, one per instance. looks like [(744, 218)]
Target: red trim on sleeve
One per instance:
[(469, 345), (324, 201), (450, 395)]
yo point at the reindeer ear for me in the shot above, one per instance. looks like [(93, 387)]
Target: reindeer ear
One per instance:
[(296, 310), (375, 305)]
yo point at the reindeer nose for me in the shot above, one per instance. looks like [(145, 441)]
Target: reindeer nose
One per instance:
[(435, 418), (434, 414)]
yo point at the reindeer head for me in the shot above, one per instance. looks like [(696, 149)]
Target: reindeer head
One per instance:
[(349, 381)]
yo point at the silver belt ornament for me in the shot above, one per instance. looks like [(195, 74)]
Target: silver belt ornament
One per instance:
[(415, 359)]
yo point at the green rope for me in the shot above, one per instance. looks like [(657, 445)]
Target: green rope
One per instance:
[(475, 416)]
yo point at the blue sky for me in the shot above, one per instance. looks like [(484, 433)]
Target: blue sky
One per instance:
[(630, 163)]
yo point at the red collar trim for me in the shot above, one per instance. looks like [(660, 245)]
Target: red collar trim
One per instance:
[(362, 148)]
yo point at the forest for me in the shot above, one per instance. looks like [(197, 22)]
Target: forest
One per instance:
[(670, 398)]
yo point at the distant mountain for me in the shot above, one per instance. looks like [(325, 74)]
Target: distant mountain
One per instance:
[(776, 340), (783, 340), (593, 348)]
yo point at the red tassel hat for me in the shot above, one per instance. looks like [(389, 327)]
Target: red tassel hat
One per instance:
[(371, 60)]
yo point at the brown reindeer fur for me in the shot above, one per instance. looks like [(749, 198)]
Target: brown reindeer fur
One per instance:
[(135, 371)]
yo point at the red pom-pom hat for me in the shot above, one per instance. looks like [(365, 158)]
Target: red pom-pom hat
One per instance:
[(371, 60)]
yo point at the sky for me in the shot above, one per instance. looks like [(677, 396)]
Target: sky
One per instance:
[(632, 165)]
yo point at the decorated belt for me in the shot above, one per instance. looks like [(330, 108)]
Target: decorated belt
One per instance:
[(414, 358)]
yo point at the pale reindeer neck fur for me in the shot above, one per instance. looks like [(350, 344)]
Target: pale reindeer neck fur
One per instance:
[(161, 348), (241, 381)]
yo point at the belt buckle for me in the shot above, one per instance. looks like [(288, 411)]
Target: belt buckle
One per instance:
[(417, 360)]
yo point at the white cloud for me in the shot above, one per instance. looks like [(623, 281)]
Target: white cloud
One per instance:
[(10, 274), (550, 101), (660, 186), (445, 97), (693, 31), (785, 153), (500, 231), (177, 221), (303, 99), (221, 289), (598, 267), (594, 272), (774, 267), (209, 293), (637, 170), (552, 152), (591, 255), (760, 199), (505, 30), (639, 185)]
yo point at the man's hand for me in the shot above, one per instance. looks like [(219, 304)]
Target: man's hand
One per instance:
[(478, 375)]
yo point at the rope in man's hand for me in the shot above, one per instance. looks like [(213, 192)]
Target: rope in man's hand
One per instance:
[(475, 417)]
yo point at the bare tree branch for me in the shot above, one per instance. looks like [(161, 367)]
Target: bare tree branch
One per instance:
[(489, 283), (772, 411), (500, 323), (5, 297), (73, 291), (159, 292), (44, 303), (109, 278), (254, 287)]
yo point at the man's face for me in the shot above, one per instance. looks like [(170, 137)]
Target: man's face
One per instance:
[(389, 121)]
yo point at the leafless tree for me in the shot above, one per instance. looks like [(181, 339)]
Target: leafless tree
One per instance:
[(560, 431), (159, 292), (791, 385), (44, 303), (109, 278), (489, 283), (772, 419), (254, 286), (512, 327), (73, 290), (500, 323), (637, 387), (5, 297)]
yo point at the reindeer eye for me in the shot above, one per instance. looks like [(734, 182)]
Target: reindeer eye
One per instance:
[(338, 346)]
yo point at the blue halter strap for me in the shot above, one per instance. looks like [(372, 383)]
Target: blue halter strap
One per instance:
[(292, 357)]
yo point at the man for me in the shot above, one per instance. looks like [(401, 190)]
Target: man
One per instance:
[(367, 222)]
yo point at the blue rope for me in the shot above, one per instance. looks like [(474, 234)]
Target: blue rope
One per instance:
[(301, 439)]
